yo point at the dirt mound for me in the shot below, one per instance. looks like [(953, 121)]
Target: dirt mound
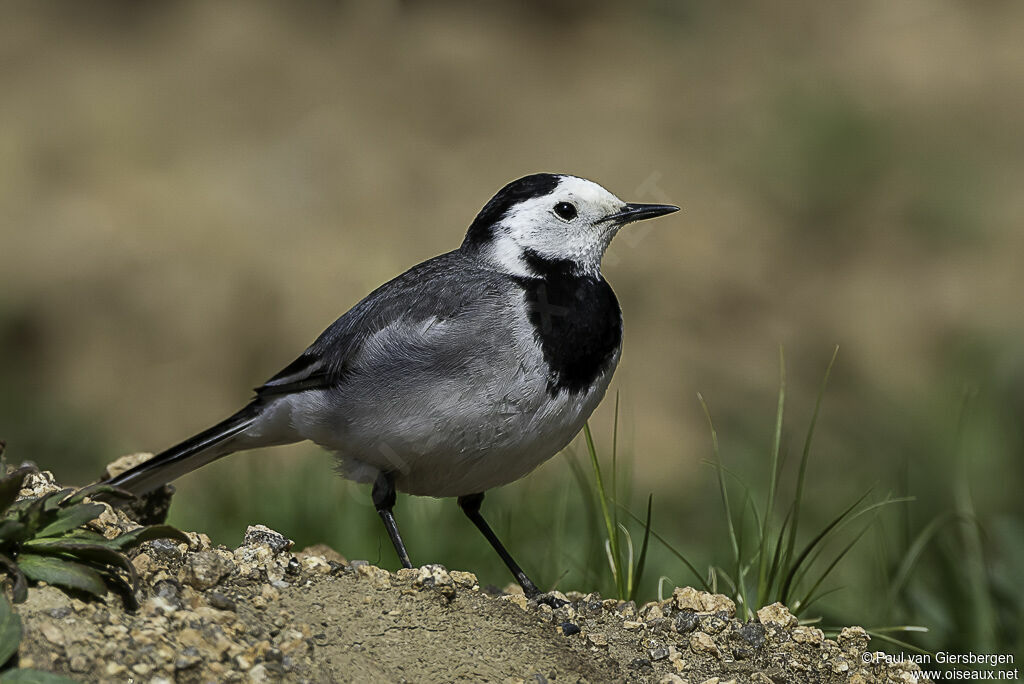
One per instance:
[(262, 613)]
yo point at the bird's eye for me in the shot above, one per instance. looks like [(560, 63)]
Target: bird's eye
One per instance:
[(565, 211)]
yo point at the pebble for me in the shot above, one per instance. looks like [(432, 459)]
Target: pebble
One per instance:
[(143, 563), (777, 614), (261, 534), (435, 577), (163, 549), (569, 628), (78, 663), (220, 601), (465, 579), (52, 633), (804, 634), (406, 575), (688, 598), (659, 653), (517, 599), (686, 622), (379, 578), (854, 640), (702, 642), (205, 569), (315, 564), (258, 673), (651, 612)]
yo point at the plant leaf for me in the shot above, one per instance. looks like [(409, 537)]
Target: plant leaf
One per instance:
[(804, 458), (125, 590), (38, 512), (70, 518), (773, 485), (10, 630), (130, 540), (10, 485), (81, 551), (27, 675), (53, 500), (19, 585), (12, 531), (83, 534), (789, 585), (642, 562), (664, 542), (614, 553), (63, 573)]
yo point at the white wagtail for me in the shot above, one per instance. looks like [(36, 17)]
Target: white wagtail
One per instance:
[(464, 373)]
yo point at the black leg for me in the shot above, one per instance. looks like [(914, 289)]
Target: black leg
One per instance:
[(384, 501), (470, 505)]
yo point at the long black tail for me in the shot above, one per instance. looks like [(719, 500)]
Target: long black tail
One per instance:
[(194, 452)]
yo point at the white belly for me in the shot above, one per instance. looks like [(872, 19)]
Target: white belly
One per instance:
[(450, 440)]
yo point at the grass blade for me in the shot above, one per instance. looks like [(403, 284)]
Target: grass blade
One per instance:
[(878, 634), (831, 566), (804, 457), (610, 529), (789, 584), (671, 549), (762, 564), (642, 561), (916, 549)]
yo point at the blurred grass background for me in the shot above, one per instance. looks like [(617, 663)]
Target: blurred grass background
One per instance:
[(190, 192)]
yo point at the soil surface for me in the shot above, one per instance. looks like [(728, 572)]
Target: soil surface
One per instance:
[(262, 612)]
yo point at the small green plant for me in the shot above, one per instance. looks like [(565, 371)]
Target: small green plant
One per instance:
[(767, 563), (775, 568), (42, 539)]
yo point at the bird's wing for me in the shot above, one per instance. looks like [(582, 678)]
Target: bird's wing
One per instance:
[(444, 288)]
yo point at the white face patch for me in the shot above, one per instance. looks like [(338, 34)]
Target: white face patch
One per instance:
[(567, 224)]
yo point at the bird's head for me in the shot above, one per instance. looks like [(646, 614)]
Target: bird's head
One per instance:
[(552, 217)]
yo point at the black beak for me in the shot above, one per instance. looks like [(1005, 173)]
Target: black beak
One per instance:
[(639, 212)]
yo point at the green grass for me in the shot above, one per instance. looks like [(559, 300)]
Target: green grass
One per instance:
[(626, 570), (916, 504), (774, 567)]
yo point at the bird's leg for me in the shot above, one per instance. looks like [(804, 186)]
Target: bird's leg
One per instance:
[(384, 501), (470, 505)]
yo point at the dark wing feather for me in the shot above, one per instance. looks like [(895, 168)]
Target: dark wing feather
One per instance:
[(304, 373)]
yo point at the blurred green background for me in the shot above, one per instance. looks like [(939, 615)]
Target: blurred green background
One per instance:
[(190, 192)]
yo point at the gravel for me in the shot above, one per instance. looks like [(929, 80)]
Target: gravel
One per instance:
[(261, 613)]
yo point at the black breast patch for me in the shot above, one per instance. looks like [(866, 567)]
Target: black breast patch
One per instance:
[(576, 319)]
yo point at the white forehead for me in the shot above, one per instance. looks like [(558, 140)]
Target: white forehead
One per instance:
[(590, 199), (585, 192)]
